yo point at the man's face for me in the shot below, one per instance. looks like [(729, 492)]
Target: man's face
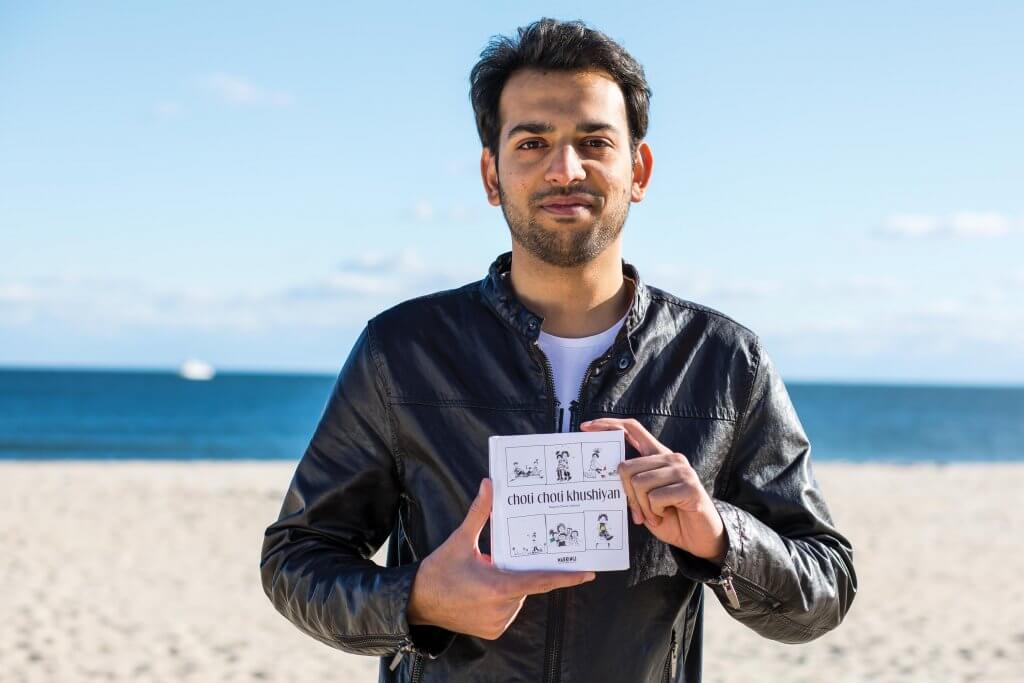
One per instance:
[(564, 174)]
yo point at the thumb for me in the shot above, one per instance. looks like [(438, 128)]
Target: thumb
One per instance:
[(479, 512)]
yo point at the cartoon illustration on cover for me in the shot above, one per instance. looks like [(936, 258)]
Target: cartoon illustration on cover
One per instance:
[(604, 462), (604, 530), (525, 466), (565, 462), (564, 533), (532, 471), (526, 535), (562, 468)]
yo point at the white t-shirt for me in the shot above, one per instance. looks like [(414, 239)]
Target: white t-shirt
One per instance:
[(570, 357)]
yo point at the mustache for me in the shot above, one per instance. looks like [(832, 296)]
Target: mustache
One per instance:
[(563, 192)]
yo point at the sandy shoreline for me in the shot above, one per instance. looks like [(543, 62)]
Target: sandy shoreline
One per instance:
[(148, 571)]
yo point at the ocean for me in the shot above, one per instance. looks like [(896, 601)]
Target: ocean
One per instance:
[(101, 415)]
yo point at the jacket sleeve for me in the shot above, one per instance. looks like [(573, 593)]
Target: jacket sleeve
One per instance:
[(788, 573), (339, 509)]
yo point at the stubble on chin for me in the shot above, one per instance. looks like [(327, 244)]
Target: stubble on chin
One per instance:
[(566, 248)]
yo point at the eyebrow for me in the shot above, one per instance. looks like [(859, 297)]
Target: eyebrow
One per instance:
[(539, 127)]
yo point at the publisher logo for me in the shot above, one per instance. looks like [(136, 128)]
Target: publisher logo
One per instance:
[(567, 558)]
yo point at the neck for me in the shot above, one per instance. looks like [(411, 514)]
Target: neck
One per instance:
[(574, 302)]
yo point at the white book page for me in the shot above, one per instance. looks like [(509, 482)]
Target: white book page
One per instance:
[(558, 501)]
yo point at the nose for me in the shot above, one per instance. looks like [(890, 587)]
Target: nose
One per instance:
[(565, 166)]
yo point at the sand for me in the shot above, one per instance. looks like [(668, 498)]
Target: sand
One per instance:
[(149, 572)]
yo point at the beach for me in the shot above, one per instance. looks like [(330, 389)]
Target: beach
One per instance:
[(149, 571)]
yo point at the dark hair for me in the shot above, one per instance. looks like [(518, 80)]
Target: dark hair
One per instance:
[(550, 44)]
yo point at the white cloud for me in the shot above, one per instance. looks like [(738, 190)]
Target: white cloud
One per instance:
[(702, 285), (799, 318), (168, 109), (237, 90), (979, 224), (912, 225), (960, 225), (381, 275), (17, 293), (355, 290), (425, 211)]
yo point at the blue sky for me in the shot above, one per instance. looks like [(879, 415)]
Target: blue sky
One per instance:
[(248, 184)]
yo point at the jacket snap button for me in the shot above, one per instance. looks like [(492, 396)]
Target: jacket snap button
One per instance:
[(532, 324), (623, 362)]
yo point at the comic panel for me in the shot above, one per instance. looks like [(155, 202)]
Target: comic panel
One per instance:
[(525, 465), (526, 535), (604, 529), (601, 461), (565, 533), (564, 463)]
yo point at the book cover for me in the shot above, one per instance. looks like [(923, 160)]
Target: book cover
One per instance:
[(558, 501)]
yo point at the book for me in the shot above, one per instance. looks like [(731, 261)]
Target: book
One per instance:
[(558, 501)]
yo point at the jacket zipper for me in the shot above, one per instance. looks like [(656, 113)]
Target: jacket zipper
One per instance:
[(670, 661), (417, 669), (417, 662), (406, 646), (549, 378), (557, 598), (725, 581)]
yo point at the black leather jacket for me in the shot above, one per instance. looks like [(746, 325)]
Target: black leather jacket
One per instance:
[(402, 445)]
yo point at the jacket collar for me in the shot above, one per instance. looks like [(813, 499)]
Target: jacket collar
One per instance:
[(496, 289)]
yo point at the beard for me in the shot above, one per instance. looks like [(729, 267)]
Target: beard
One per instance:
[(570, 246)]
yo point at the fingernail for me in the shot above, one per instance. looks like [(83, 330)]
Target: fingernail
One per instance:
[(584, 424), (590, 576), (480, 490)]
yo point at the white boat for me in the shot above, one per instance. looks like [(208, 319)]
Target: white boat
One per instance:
[(196, 370)]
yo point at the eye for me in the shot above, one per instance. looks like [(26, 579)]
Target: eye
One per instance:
[(600, 142), (529, 142)]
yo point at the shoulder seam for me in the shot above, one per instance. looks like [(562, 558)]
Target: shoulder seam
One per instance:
[(388, 407), (667, 298), (728, 464)]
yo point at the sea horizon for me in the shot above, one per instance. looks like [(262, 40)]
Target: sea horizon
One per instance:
[(93, 413), (320, 372)]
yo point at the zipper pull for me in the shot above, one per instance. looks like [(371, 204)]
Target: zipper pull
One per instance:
[(397, 659), (725, 581), (730, 592)]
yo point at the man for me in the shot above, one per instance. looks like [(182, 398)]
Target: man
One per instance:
[(718, 478)]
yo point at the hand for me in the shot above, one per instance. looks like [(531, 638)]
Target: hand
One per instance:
[(458, 588), (665, 494)]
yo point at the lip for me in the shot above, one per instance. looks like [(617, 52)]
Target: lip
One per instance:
[(568, 206), (565, 209)]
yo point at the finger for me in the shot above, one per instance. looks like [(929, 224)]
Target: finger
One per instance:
[(627, 487), (479, 512), (536, 582), (636, 433), (646, 483), (681, 495), (609, 424), (630, 468)]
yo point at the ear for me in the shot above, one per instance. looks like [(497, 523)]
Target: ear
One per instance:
[(643, 164), (489, 174)]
